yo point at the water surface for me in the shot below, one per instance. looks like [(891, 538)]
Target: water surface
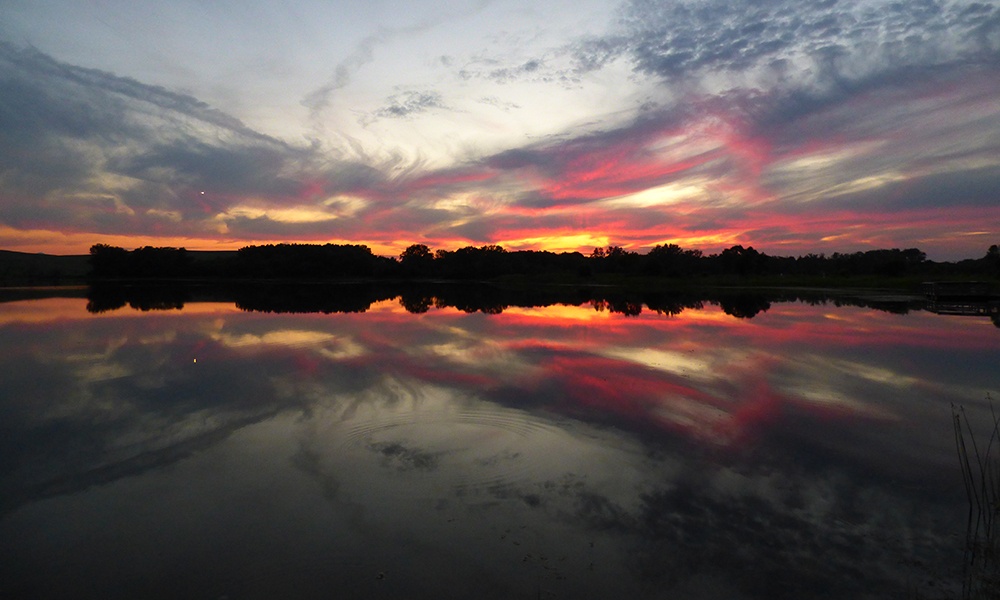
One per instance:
[(422, 448)]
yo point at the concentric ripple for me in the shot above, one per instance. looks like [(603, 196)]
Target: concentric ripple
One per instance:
[(466, 449)]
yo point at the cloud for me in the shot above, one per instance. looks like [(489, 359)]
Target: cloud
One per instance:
[(364, 53), (318, 99), (499, 103), (406, 104), (845, 40), (86, 150), (713, 172), (793, 58), (91, 116), (533, 69), (768, 84)]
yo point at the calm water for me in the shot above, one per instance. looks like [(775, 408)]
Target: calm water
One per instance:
[(590, 448)]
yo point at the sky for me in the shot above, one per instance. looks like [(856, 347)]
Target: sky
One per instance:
[(795, 128)]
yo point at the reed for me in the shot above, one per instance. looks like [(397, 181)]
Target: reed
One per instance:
[(980, 465)]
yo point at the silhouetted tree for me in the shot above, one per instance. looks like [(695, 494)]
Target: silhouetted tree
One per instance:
[(142, 263), (108, 261), (671, 260), (742, 261), (149, 262), (614, 259), (992, 261), (473, 263), (306, 261), (416, 260)]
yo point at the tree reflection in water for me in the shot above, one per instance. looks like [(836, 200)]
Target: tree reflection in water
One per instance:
[(467, 297)]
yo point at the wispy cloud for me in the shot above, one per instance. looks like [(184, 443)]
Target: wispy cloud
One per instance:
[(406, 104), (120, 153), (831, 41)]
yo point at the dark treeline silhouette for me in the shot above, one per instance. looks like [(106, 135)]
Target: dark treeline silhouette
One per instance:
[(469, 297), (306, 261), (146, 262), (333, 261)]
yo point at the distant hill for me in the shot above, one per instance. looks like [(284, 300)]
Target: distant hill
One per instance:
[(22, 268), (27, 269)]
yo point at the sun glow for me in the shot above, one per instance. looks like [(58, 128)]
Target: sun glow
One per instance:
[(569, 242)]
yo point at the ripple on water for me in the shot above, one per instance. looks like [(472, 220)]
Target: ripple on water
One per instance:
[(469, 450)]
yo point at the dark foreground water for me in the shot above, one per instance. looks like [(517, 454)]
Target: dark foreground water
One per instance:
[(595, 448)]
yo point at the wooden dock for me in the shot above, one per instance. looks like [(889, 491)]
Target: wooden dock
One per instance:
[(958, 290)]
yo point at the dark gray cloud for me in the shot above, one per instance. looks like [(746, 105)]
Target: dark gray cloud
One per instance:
[(550, 67), (787, 59), (843, 39), (35, 82), (82, 149), (240, 169), (530, 69), (406, 104), (98, 116), (968, 188)]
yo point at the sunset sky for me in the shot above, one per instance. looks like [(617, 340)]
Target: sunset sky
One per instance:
[(794, 127)]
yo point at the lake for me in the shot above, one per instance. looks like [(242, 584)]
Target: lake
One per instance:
[(444, 442)]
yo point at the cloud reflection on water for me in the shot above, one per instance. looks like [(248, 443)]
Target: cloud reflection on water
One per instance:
[(698, 431)]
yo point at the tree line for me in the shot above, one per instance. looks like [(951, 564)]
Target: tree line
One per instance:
[(418, 261)]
